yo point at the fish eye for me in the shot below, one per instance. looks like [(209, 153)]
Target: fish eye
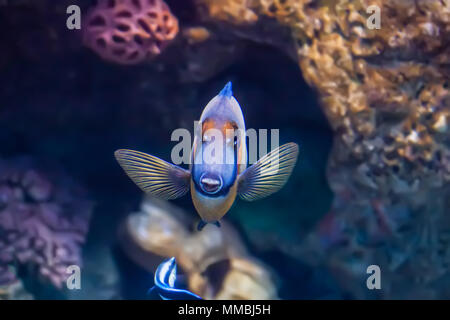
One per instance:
[(235, 140)]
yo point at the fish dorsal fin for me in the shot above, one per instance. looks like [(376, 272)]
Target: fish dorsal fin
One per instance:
[(153, 175), (227, 91), (269, 174)]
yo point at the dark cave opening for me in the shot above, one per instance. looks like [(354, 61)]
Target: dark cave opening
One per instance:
[(273, 94)]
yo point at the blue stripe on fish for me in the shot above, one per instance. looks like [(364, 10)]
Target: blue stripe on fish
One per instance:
[(165, 277), (226, 91), (225, 188)]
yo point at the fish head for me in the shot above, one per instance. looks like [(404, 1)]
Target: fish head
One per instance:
[(219, 152)]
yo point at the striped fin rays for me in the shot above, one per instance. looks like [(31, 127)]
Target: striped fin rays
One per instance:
[(268, 174), (167, 181), (153, 175)]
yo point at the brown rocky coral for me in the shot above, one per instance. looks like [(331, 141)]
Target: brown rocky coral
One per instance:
[(386, 95), (129, 31), (215, 260), (390, 84)]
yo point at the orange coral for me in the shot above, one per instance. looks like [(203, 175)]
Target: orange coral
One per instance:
[(129, 31)]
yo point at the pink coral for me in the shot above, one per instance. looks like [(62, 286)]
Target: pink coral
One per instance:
[(129, 31), (43, 221)]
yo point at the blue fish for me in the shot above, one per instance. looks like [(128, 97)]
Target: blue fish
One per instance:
[(214, 181), (165, 277)]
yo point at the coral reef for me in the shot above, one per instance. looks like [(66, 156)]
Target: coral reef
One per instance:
[(215, 261), (386, 95), (44, 218), (385, 92), (410, 246), (129, 31)]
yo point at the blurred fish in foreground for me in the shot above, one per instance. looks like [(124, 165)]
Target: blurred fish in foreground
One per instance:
[(165, 277)]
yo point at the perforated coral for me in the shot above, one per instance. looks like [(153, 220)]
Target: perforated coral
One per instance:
[(129, 31)]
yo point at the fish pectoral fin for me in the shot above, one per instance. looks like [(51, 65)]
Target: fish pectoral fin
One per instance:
[(153, 175), (269, 174), (217, 224)]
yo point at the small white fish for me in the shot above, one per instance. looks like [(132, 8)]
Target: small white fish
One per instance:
[(214, 184)]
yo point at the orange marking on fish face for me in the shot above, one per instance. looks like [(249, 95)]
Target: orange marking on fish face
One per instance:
[(208, 124), (228, 130), (229, 125), (232, 131)]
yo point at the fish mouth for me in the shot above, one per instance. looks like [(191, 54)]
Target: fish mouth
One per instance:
[(210, 183)]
